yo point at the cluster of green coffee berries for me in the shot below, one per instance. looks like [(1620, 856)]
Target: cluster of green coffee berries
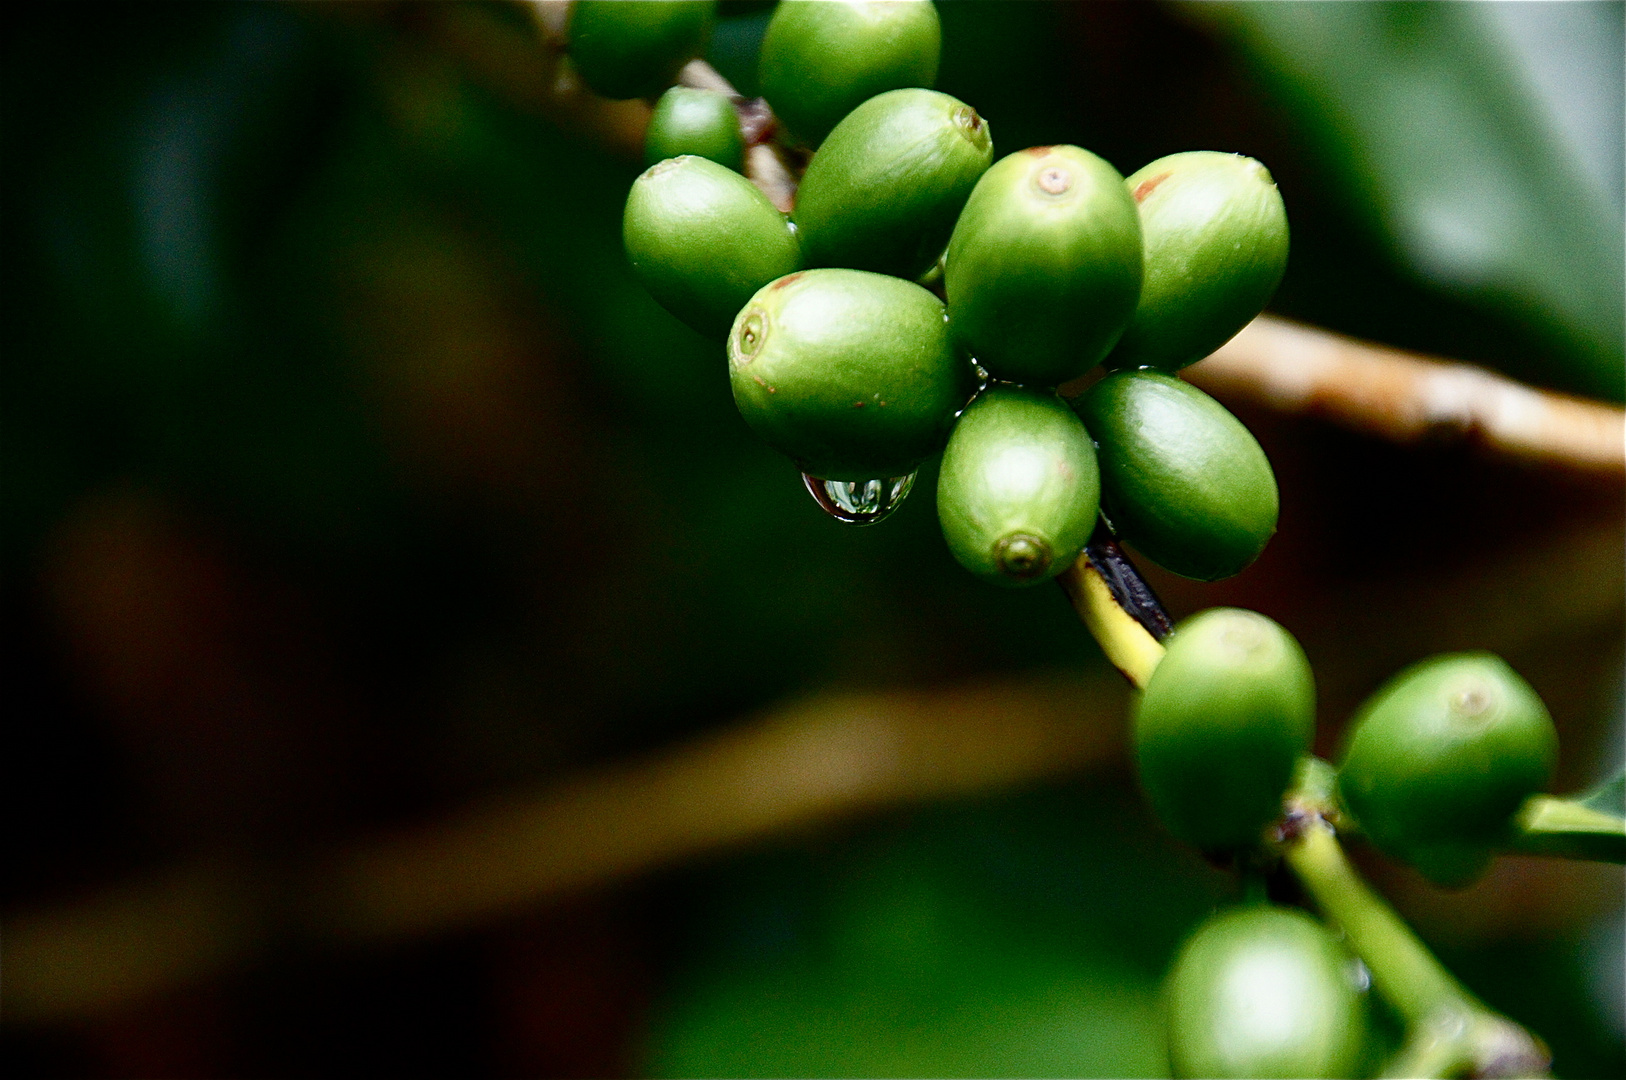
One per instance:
[(1436, 764), (1045, 264), (921, 296)]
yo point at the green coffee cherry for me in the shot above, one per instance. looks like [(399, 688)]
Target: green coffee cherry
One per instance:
[(1224, 719), (1044, 265), (699, 122), (1441, 756), (1019, 490), (1181, 478), (635, 48), (851, 374), (821, 61), (1216, 245), (1264, 992), (702, 239), (884, 189)]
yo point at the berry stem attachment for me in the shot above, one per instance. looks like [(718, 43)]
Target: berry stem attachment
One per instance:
[(1448, 1031), (773, 168), (1118, 607)]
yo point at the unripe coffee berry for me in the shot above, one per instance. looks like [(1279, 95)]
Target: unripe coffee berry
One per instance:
[(820, 61), (635, 48), (702, 239), (885, 187), (1215, 234), (699, 122), (851, 374), (1264, 992), (1044, 265), (1222, 722), (1181, 478), (1018, 492), (1441, 756)]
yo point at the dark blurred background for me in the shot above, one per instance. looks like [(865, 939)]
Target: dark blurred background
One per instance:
[(351, 480)]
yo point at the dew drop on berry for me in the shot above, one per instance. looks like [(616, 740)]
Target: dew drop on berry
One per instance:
[(859, 502)]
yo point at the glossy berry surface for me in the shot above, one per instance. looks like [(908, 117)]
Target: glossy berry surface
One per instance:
[(702, 239), (851, 374), (1215, 234), (698, 122), (820, 61), (1181, 478), (885, 188), (1018, 492), (1222, 722), (1264, 992), (1044, 266), (635, 48), (1441, 756)]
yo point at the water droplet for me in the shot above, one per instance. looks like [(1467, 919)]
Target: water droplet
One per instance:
[(1360, 976), (859, 502)]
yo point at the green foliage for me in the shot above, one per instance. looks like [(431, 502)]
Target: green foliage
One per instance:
[(1569, 828), (964, 940), (1447, 155), (1609, 797)]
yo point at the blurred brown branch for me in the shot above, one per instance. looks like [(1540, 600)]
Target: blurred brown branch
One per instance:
[(826, 759), (822, 760), (1408, 398), (816, 761)]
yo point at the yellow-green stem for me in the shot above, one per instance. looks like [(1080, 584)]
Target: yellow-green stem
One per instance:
[(1403, 970), (1448, 1031), (1129, 645)]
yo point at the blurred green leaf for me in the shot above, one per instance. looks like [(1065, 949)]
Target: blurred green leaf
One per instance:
[(1572, 828), (1427, 118), (1025, 936), (1608, 797)]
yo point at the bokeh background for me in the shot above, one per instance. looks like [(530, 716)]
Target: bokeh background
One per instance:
[(351, 482)]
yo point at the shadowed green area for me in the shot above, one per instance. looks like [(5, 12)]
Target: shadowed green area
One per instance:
[(1017, 937)]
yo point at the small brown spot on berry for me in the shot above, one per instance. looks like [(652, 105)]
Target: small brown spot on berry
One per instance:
[(786, 280), (1149, 185), (1038, 151)]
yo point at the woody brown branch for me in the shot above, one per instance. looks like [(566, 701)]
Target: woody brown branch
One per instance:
[(1410, 399)]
